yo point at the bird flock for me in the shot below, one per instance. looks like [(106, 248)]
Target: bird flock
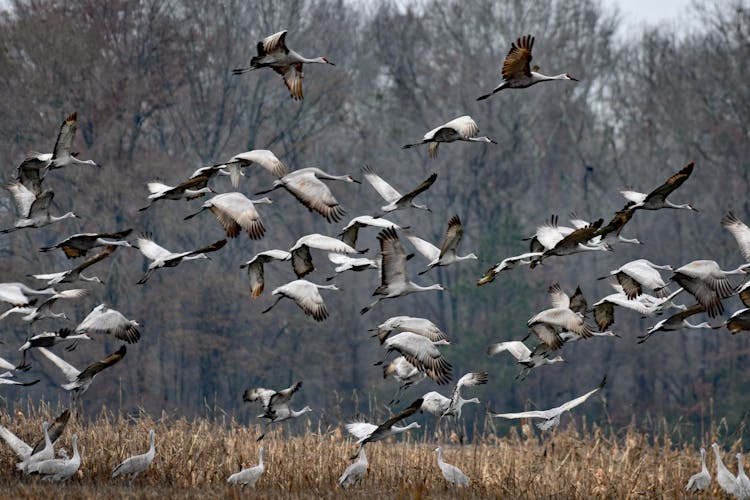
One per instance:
[(420, 346)]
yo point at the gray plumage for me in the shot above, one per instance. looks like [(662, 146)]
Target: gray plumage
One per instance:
[(133, 466), (702, 479), (355, 472), (451, 473), (250, 475), (58, 469)]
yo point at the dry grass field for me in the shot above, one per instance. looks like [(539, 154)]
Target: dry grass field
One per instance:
[(194, 459)]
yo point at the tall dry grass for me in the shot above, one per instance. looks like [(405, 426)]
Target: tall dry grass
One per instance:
[(195, 457)]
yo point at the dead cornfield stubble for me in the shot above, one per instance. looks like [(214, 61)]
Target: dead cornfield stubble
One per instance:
[(194, 458)]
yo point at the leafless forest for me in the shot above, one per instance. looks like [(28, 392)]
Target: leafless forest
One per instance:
[(155, 95)]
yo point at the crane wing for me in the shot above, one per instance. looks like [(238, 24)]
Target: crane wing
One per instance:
[(274, 42), (424, 186), (265, 159), (393, 268), (315, 195), (558, 297), (672, 183), (517, 61), (110, 360), (64, 141), (23, 197), (385, 190), (150, 249), (515, 347), (452, 237), (19, 447), (740, 231), (70, 371), (430, 251)]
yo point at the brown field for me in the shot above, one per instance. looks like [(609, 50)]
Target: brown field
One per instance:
[(195, 457)]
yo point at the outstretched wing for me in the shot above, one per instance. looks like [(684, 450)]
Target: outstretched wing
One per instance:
[(110, 360), (672, 183), (517, 61)]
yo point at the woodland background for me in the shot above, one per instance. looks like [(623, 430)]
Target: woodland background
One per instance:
[(151, 82)]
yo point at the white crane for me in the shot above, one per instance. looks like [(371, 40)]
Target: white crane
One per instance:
[(44, 310), (405, 373), (306, 184), (644, 304), (161, 257), (423, 353), (262, 157), (250, 475), (451, 473), (525, 356), (463, 128), (657, 199), (393, 279), (15, 294), (577, 241), (551, 417), (76, 274), (610, 233), (306, 295), (507, 264), (395, 200), (446, 254), (33, 208), (355, 472), (726, 479), (678, 321), (255, 268), (61, 154), (700, 480), (275, 404), (351, 230), (80, 380), (78, 245), (26, 453), (108, 321), (273, 53), (345, 263), (548, 235), (58, 469), (740, 231), (457, 402), (188, 190), (137, 464), (517, 73), (369, 433), (708, 283), (638, 274), (561, 317), (50, 339), (743, 482), (301, 258), (420, 326), (236, 212)]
